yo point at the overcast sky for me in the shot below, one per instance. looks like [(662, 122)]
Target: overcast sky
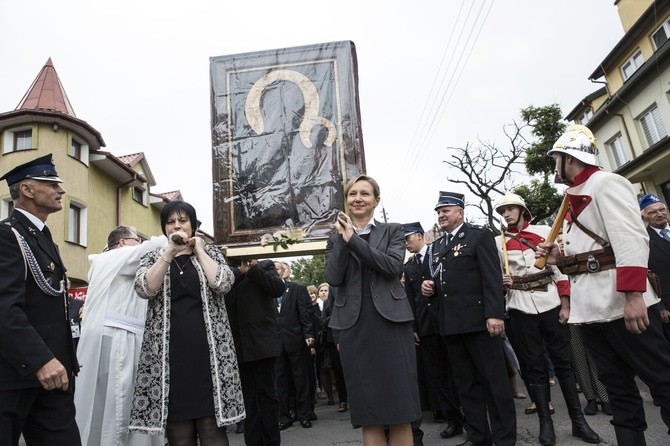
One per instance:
[(433, 74)]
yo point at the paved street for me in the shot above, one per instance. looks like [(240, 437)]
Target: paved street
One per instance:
[(334, 429)]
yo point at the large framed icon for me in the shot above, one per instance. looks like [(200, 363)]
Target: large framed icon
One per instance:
[(286, 136)]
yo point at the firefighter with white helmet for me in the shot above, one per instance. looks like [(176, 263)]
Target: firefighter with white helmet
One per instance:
[(606, 255), (538, 306)]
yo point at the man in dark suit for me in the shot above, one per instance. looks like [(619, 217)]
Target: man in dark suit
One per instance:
[(467, 280), (296, 335), (37, 358), (655, 214), (253, 322), (434, 358)]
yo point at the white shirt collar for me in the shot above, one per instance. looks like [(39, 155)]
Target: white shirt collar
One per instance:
[(39, 224), (422, 251), (366, 229), (658, 231)]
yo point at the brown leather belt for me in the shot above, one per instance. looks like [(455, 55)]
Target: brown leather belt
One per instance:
[(588, 262), (533, 282)]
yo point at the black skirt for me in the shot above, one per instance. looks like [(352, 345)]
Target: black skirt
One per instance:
[(191, 389)]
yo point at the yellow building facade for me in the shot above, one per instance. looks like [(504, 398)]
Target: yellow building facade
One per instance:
[(630, 114), (102, 190)]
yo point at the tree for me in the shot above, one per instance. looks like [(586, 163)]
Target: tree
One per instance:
[(489, 171), (547, 126), (309, 270)]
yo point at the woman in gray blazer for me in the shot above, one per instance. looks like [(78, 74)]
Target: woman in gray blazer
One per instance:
[(364, 260)]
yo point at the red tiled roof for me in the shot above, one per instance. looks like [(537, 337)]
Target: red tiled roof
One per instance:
[(47, 93), (132, 158), (170, 196)]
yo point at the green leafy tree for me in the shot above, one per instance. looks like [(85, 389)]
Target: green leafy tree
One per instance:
[(546, 126), (309, 270)]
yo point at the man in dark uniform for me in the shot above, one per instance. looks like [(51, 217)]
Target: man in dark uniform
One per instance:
[(467, 279), (296, 334), (37, 358), (435, 362), (655, 214), (253, 322)]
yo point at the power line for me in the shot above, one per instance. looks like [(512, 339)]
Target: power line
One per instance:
[(422, 136)]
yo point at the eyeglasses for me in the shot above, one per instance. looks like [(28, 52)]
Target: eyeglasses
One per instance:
[(132, 238)]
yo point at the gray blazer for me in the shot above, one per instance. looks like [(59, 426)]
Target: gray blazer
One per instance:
[(383, 255)]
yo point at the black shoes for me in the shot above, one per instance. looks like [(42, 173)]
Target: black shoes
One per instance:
[(343, 407), (306, 424), (313, 417), (451, 431), (591, 407), (283, 426)]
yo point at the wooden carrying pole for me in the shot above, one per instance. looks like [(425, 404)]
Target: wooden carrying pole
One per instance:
[(503, 240), (555, 229)]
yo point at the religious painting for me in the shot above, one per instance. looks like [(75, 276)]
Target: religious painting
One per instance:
[(286, 136)]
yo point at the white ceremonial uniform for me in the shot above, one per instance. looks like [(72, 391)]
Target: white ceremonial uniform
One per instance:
[(598, 204), (109, 348), (521, 259)]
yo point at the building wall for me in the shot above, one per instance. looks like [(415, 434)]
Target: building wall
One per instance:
[(655, 92), (87, 187), (630, 11), (644, 44)]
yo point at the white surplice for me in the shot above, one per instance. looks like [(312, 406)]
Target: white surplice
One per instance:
[(109, 348)]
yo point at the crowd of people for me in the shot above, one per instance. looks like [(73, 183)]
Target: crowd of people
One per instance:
[(179, 343)]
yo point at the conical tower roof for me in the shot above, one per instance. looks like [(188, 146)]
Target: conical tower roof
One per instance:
[(47, 93)]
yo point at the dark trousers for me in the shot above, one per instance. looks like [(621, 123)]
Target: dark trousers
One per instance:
[(439, 377), (620, 355), (292, 370), (337, 370), (481, 381), (44, 417), (312, 380), (259, 388), (530, 334)]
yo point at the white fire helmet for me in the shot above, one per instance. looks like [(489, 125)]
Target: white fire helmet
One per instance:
[(509, 199), (578, 142)]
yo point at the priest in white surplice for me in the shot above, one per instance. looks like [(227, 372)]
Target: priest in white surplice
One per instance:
[(109, 347)]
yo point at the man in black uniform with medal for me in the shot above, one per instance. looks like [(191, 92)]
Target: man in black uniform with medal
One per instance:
[(467, 281), (37, 358)]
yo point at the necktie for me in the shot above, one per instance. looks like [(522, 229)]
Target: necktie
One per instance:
[(449, 237), (47, 234), (665, 233), (418, 258)]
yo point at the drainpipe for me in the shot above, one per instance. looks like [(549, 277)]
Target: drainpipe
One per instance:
[(625, 131), (118, 198)]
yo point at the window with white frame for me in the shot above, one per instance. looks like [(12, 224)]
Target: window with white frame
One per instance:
[(653, 126), (77, 223), (631, 65), (6, 207), (17, 139), (78, 149), (661, 34), (586, 116), (140, 195), (619, 155)]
